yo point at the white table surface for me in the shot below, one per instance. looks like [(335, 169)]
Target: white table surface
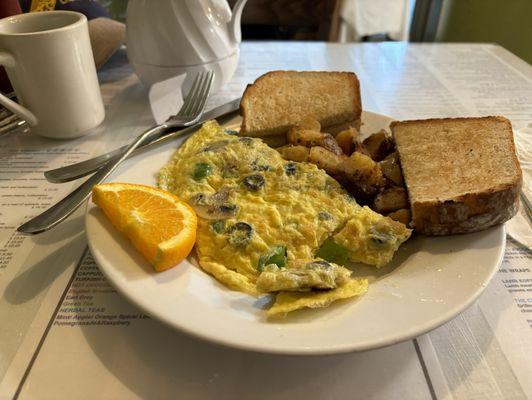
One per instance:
[(483, 353)]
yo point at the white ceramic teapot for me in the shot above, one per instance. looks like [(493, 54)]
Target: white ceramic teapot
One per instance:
[(167, 38)]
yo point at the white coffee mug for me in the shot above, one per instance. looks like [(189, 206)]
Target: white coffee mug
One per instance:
[(48, 58)]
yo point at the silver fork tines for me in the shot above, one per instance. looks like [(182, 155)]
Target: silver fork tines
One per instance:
[(195, 99)]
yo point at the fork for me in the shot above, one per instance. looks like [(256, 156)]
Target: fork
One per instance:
[(10, 122), (189, 113)]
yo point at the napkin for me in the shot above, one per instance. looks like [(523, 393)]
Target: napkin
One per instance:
[(165, 98), (519, 227)]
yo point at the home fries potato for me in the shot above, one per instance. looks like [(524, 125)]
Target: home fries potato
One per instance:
[(267, 225)]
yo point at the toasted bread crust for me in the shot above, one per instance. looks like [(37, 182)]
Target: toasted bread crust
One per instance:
[(264, 84), (471, 211), (465, 214)]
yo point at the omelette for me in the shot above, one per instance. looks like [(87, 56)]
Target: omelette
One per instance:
[(266, 225)]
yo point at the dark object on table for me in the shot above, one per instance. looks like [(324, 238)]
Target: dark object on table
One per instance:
[(90, 8), (7, 8), (290, 20)]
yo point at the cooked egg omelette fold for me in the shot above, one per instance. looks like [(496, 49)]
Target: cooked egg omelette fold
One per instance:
[(259, 214)]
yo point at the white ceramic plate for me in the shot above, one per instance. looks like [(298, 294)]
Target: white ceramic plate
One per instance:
[(429, 282)]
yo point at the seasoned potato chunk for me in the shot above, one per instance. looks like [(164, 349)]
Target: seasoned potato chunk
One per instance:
[(325, 159), (346, 140), (391, 169), (403, 215), (391, 199), (294, 153), (330, 143), (304, 137), (360, 148), (364, 173), (310, 138), (379, 145)]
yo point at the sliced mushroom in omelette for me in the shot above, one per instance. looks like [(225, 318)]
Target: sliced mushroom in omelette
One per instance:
[(268, 225)]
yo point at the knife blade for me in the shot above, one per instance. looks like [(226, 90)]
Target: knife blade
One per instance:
[(75, 171)]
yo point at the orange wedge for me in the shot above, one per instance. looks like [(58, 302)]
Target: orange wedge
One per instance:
[(160, 225)]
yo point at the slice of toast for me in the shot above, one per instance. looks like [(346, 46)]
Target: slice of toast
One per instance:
[(462, 174), (280, 99)]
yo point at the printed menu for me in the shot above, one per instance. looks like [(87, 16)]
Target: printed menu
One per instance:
[(71, 333)]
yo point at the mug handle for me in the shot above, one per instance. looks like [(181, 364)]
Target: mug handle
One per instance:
[(8, 60)]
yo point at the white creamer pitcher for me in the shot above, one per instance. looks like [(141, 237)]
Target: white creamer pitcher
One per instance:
[(167, 38)]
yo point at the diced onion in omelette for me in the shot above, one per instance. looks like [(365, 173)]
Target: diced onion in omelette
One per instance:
[(256, 210)]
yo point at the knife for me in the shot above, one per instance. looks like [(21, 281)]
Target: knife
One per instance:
[(75, 171)]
